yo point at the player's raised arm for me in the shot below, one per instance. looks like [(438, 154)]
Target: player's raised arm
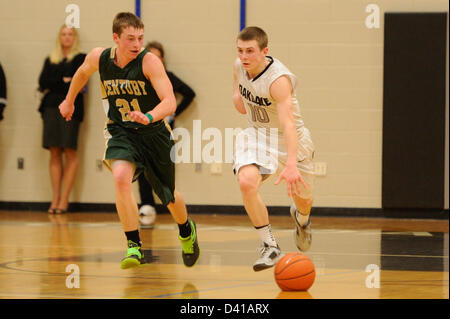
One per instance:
[(79, 80), (237, 100), (155, 72)]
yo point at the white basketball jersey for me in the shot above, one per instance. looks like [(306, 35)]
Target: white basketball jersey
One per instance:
[(260, 106)]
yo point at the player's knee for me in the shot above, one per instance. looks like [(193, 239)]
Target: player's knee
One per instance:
[(122, 181), (248, 184)]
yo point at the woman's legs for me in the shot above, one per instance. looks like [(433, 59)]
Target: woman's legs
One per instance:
[(62, 176), (70, 169), (56, 171)]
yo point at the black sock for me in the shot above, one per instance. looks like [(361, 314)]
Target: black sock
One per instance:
[(185, 229), (133, 236)]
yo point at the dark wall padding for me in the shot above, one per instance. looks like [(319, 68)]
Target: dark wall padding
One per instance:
[(414, 110)]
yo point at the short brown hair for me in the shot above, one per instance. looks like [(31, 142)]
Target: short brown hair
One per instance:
[(124, 20), (156, 45), (254, 33)]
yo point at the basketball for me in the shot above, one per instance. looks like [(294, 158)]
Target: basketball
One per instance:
[(294, 272)]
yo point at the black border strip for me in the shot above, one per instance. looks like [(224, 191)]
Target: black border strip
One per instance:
[(239, 210)]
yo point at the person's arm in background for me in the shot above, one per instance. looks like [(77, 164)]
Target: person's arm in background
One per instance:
[(51, 78), (79, 80), (74, 65), (80, 63), (2, 92), (184, 90)]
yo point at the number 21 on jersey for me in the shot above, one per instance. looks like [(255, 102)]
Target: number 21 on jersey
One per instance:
[(125, 109)]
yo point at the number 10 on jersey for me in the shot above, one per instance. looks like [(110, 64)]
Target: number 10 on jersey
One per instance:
[(259, 114)]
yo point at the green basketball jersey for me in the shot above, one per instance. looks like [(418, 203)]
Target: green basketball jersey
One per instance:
[(125, 90)]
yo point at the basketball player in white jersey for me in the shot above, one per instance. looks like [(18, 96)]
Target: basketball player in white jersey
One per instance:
[(275, 142)]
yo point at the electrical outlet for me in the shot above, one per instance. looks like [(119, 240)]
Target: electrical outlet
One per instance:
[(216, 168), (320, 168), (20, 163), (198, 167)]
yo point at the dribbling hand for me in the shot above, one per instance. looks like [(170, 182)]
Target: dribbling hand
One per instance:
[(293, 179)]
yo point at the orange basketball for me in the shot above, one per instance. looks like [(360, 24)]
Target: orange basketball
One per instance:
[(294, 271)]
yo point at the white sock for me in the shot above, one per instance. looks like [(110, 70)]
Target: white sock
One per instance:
[(302, 219), (266, 235)]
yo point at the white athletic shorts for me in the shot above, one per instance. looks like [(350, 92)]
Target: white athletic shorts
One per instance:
[(253, 146)]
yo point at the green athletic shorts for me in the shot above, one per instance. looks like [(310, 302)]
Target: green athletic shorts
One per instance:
[(149, 149)]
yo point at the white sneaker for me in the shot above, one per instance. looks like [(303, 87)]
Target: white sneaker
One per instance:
[(147, 215), (303, 236), (269, 257)]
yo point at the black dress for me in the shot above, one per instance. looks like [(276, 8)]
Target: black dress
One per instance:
[(57, 132)]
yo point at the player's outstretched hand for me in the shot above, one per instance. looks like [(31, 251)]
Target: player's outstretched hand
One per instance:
[(139, 117), (66, 109), (293, 179)]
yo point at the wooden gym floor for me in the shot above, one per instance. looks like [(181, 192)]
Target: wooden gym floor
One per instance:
[(36, 249)]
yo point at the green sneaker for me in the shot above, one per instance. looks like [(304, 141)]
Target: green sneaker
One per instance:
[(190, 249), (134, 256)]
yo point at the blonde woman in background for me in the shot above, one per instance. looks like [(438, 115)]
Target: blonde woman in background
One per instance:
[(59, 136)]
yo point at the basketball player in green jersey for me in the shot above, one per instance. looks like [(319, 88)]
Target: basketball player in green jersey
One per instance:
[(137, 95)]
